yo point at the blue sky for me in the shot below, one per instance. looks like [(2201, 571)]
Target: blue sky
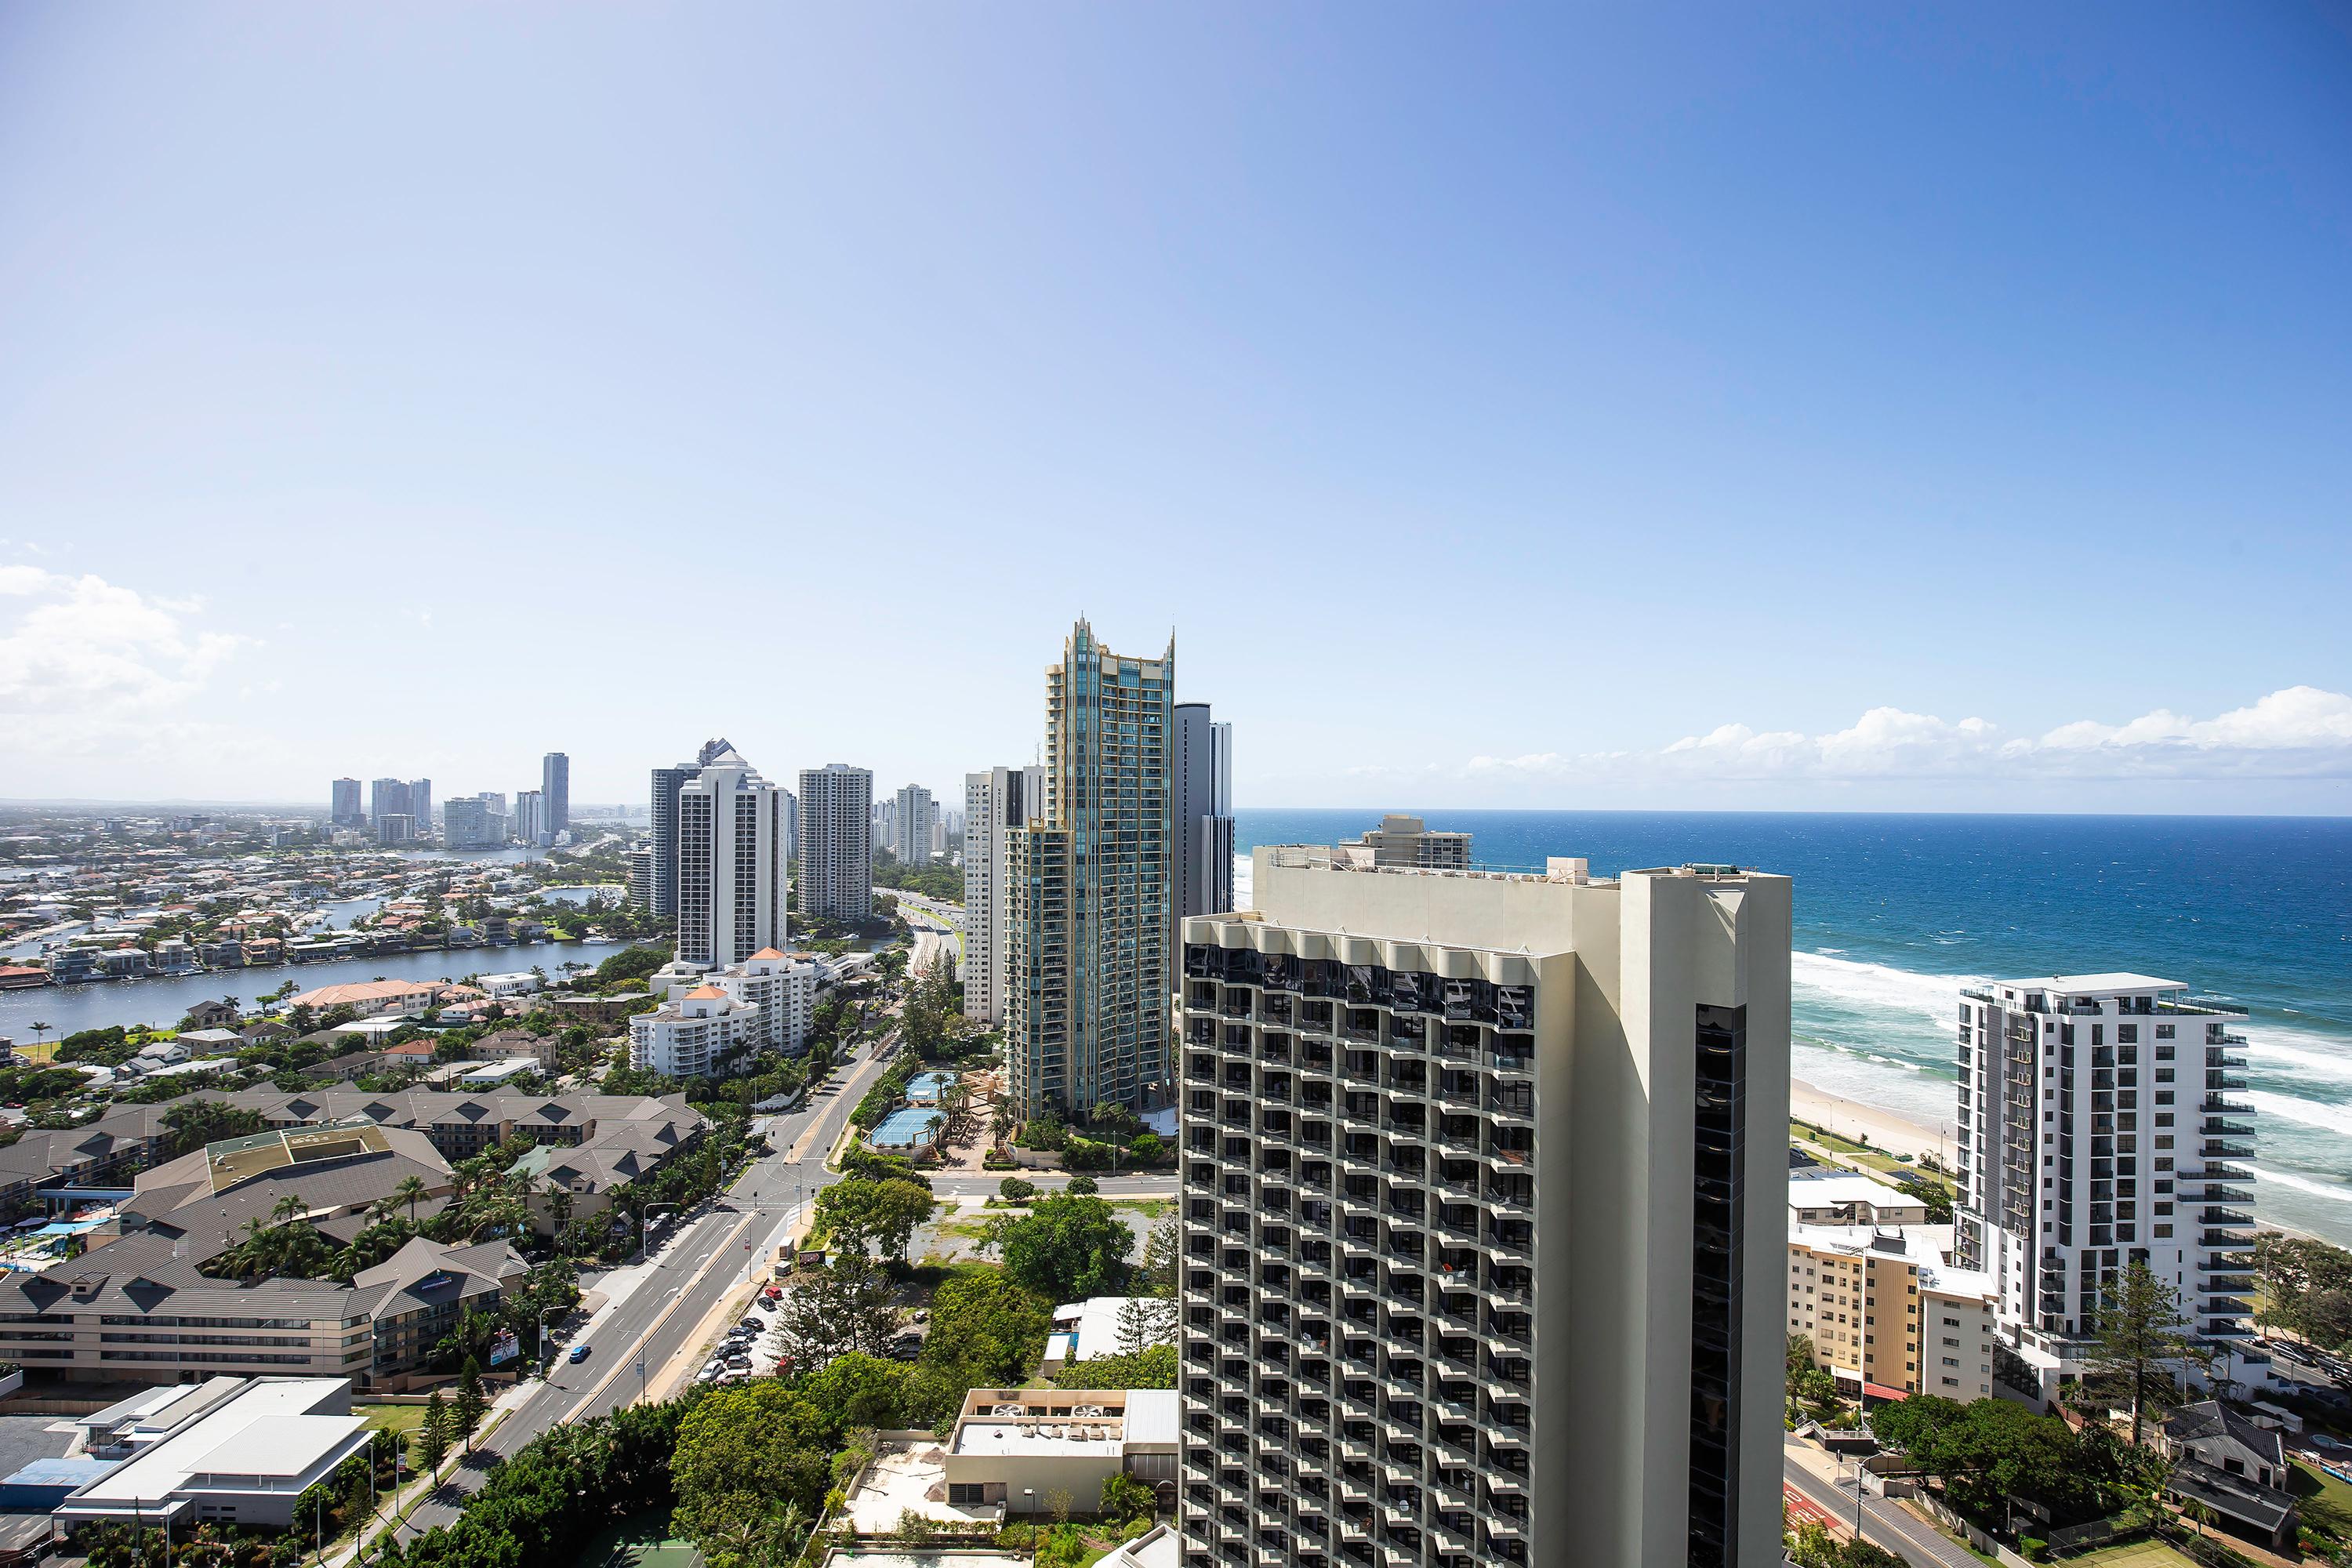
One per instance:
[(1504, 405)]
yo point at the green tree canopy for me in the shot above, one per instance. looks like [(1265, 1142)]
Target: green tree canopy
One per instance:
[(1065, 1247)]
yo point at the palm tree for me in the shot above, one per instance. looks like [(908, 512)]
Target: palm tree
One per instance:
[(233, 1002), (410, 1190), (289, 1208), (40, 1029)]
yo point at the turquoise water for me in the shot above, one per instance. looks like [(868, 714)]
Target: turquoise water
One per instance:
[(1895, 913)]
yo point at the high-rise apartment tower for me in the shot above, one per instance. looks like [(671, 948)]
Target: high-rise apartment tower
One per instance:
[(555, 785), (662, 837), (1093, 886), (1201, 765), (345, 810), (730, 863), (995, 803), (2095, 1128), (836, 848), (1483, 1228), (911, 824)]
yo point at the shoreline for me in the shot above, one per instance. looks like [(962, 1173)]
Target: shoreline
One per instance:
[(1855, 1120)]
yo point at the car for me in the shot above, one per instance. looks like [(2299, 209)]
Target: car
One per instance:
[(579, 1352), (751, 1324), (763, 1304)]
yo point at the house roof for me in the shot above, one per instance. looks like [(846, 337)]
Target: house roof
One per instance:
[(2210, 1418)]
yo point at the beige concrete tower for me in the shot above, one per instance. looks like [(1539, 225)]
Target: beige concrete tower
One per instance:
[(1484, 1188)]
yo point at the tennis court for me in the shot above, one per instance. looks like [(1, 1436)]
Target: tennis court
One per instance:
[(641, 1541), (907, 1128)]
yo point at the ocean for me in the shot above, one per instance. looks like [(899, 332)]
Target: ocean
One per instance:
[(1895, 913)]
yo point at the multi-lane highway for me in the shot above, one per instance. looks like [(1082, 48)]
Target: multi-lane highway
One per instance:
[(704, 1257)]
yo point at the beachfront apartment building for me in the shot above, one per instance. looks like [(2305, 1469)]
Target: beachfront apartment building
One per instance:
[(1093, 876), (995, 804), (1480, 1178), (2095, 1128), (1402, 839), (836, 843)]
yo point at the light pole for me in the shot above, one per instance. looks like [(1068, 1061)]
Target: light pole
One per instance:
[(542, 1335)]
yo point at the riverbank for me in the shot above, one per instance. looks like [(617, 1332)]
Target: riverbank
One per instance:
[(162, 1000)]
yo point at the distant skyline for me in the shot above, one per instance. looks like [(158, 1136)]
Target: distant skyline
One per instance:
[(1508, 407)]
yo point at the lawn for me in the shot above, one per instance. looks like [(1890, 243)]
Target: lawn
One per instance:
[(43, 1051), (1150, 1208), (2134, 1555), (2325, 1503), (403, 1419)]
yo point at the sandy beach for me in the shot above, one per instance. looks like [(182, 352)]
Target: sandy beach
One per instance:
[(1855, 1120)]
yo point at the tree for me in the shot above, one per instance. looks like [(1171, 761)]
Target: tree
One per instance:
[(434, 1437), (470, 1402), (1014, 1190), (2142, 1343), (858, 1390), (1124, 1496), (1144, 1148), (1808, 1383), (1065, 1247), (1153, 1367), (1083, 1187), (986, 1329), (409, 1190), (859, 1213), (1162, 1246), (845, 1310), (744, 1455), (1145, 1322)]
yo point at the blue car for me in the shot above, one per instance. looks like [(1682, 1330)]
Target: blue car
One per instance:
[(579, 1352)]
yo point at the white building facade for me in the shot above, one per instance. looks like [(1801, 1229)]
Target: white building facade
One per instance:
[(731, 870), (2095, 1128), (994, 803), (911, 820), (836, 843), (693, 1035)]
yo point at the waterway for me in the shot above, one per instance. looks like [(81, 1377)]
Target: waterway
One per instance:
[(163, 1000)]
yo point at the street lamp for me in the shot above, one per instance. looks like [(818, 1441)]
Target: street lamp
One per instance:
[(542, 1335)]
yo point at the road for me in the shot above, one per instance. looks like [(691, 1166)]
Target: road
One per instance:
[(1883, 1524), (934, 926), (702, 1260)]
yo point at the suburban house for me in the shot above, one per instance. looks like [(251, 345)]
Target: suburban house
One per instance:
[(2233, 1467)]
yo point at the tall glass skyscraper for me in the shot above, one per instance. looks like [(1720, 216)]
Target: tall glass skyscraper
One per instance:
[(1087, 1002)]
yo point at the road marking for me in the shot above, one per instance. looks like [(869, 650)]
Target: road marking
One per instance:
[(636, 1347)]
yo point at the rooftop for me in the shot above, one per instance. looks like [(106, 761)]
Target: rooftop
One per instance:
[(2117, 983), (263, 1436), (912, 1480)]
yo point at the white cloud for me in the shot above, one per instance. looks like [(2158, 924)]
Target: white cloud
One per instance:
[(90, 668), (2301, 731)]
